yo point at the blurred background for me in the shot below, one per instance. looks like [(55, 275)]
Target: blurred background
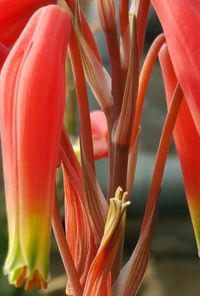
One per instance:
[(174, 267)]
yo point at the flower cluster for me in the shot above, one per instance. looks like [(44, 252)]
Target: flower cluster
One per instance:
[(35, 37)]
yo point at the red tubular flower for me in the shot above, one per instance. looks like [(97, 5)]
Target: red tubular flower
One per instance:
[(32, 102), (180, 21), (14, 15), (187, 142), (99, 134)]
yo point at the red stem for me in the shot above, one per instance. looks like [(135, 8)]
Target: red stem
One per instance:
[(87, 33), (107, 17), (144, 80), (124, 14), (65, 252), (162, 153), (142, 23), (83, 105)]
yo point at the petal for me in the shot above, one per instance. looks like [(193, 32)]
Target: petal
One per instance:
[(187, 142), (100, 148), (4, 51), (99, 134), (14, 16), (99, 124), (180, 21)]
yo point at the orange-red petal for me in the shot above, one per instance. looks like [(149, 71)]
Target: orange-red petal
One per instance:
[(15, 15), (187, 142), (180, 21)]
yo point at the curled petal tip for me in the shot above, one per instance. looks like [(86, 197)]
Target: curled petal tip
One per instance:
[(35, 280), (21, 277), (30, 279)]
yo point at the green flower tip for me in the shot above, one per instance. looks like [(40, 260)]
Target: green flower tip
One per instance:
[(30, 280)]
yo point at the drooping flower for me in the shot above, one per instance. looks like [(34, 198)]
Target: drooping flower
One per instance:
[(180, 21), (187, 142), (99, 134), (32, 101), (14, 15)]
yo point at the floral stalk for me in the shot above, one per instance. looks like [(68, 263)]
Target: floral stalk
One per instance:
[(65, 251), (162, 153)]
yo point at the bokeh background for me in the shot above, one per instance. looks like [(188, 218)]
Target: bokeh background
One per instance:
[(174, 267)]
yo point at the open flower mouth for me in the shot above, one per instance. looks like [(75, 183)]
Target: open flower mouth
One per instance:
[(29, 280)]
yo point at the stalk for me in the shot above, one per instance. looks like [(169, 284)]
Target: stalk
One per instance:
[(65, 252), (144, 80), (162, 153)]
